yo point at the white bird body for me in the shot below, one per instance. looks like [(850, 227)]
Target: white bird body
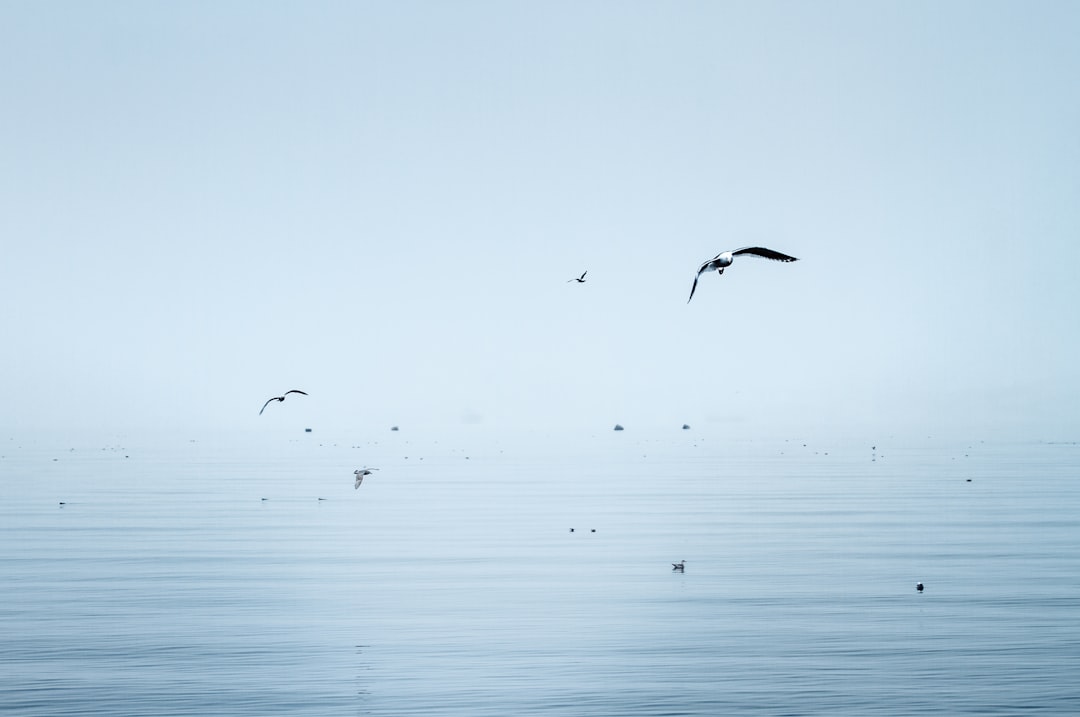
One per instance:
[(726, 258)]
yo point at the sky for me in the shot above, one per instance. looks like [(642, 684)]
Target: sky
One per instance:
[(206, 204)]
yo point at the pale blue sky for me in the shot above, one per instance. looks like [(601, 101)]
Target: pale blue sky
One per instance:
[(205, 204)]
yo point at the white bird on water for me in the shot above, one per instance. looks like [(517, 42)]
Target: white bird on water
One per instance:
[(360, 475), (725, 258)]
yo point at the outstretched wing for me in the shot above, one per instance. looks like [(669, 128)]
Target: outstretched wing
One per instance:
[(267, 404), (295, 391), (694, 287), (764, 253)]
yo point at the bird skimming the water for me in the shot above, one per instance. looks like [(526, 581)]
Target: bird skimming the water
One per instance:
[(279, 398), (724, 259), (360, 475), (580, 279)]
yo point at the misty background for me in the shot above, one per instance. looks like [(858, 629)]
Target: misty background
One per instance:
[(206, 204)]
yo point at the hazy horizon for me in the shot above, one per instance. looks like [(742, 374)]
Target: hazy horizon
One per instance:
[(205, 205)]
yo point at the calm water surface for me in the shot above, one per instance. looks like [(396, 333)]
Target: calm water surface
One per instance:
[(207, 577)]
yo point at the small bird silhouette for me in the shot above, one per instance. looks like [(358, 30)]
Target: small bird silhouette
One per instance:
[(679, 566), (724, 259), (360, 475), (580, 279), (279, 398)]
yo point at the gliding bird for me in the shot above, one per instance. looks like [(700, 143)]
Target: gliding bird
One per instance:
[(279, 398), (360, 475), (580, 279), (724, 259)]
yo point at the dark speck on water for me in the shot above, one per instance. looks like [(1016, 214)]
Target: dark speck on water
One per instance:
[(166, 591)]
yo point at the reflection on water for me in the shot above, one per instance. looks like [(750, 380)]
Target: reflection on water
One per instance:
[(165, 584)]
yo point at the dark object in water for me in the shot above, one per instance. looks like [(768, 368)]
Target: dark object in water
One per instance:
[(919, 587), (393, 428), (307, 430), (618, 427), (686, 426), (679, 566)]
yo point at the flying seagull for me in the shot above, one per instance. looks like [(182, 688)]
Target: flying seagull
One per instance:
[(580, 279), (279, 398), (360, 475), (724, 259)]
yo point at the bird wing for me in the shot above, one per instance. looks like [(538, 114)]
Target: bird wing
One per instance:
[(694, 287), (583, 275), (267, 404), (295, 391), (359, 480), (764, 253)]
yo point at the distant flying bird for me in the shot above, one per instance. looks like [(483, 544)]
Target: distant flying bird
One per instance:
[(580, 279), (724, 259), (360, 475), (679, 566), (279, 398)]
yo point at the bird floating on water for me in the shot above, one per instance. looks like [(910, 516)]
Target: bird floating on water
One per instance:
[(360, 475), (280, 398), (724, 259), (679, 566), (919, 587), (580, 279)]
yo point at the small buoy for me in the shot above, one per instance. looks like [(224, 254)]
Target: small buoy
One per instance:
[(919, 587)]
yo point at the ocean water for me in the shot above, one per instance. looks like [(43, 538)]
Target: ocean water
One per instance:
[(248, 577)]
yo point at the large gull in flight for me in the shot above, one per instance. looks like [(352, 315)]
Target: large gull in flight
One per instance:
[(724, 259)]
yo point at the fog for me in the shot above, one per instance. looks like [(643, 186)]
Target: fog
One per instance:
[(207, 204)]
